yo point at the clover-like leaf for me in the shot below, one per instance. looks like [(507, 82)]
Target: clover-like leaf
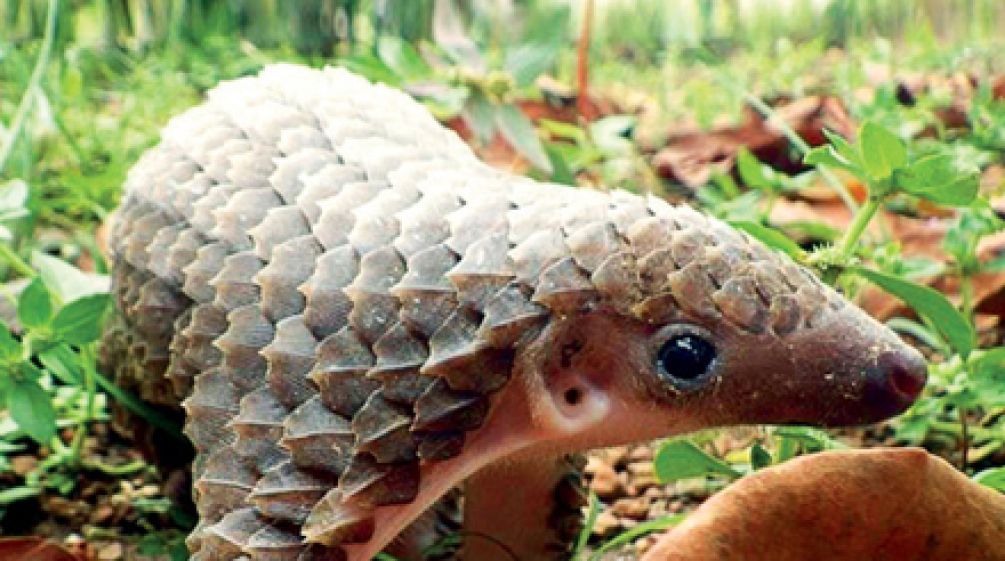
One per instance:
[(34, 306), (882, 151), (31, 408), (11, 351), (753, 172), (937, 178), (479, 115), (929, 303), (770, 237), (80, 321), (401, 57), (517, 129), (527, 62), (63, 363), (829, 156), (680, 459)]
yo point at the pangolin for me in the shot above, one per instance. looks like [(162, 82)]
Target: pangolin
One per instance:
[(369, 329)]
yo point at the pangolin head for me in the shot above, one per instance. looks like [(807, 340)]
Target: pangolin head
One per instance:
[(700, 325)]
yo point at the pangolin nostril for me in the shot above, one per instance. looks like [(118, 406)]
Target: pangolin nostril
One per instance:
[(907, 373)]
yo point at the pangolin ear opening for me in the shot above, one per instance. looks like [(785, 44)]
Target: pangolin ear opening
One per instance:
[(574, 403)]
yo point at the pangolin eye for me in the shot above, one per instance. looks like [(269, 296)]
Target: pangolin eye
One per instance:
[(685, 357)]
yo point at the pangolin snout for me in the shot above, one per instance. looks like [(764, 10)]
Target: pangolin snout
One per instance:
[(895, 381)]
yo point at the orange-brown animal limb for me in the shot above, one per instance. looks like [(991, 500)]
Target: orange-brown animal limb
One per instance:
[(855, 505)]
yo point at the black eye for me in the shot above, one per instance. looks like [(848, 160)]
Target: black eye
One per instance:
[(685, 357)]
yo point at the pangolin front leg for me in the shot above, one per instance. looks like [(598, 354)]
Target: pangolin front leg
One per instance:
[(525, 507), (359, 316)]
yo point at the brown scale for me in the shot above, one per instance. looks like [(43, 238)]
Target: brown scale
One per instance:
[(286, 179), (318, 439), (383, 429), (292, 263), (374, 308), (280, 224), (336, 220), (248, 332), (243, 210), (327, 305), (343, 360), (290, 357), (235, 284), (259, 426), (326, 182), (426, 296), (287, 494)]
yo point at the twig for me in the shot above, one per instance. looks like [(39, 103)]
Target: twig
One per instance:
[(28, 98), (583, 62), (964, 441), (768, 113)]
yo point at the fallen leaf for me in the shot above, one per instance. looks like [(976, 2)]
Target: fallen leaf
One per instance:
[(850, 505), (33, 549)]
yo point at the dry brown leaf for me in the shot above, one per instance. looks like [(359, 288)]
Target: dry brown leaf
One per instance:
[(851, 505), (692, 155), (33, 549)]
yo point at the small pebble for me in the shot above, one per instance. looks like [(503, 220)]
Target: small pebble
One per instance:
[(110, 552), (23, 464), (642, 453), (636, 508), (605, 481), (605, 524)]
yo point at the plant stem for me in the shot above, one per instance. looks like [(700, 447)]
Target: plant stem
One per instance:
[(34, 82), (846, 248), (793, 137), (582, 62), (973, 433), (14, 260), (964, 440), (967, 296), (132, 403)]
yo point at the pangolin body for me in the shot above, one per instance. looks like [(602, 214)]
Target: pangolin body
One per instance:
[(359, 316)]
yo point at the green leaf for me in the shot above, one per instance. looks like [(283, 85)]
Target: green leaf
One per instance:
[(993, 478), (754, 173), (637, 531), (517, 129), (589, 522), (34, 306), (612, 134), (563, 173), (63, 363), (988, 375), (32, 410), (882, 151), (567, 131), (372, 68), (402, 58), (759, 457), (11, 351), (770, 237), (479, 116), (811, 439), (79, 322), (15, 494), (680, 459), (828, 156), (67, 282), (936, 178), (527, 62), (13, 197), (844, 148), (929, 303)]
